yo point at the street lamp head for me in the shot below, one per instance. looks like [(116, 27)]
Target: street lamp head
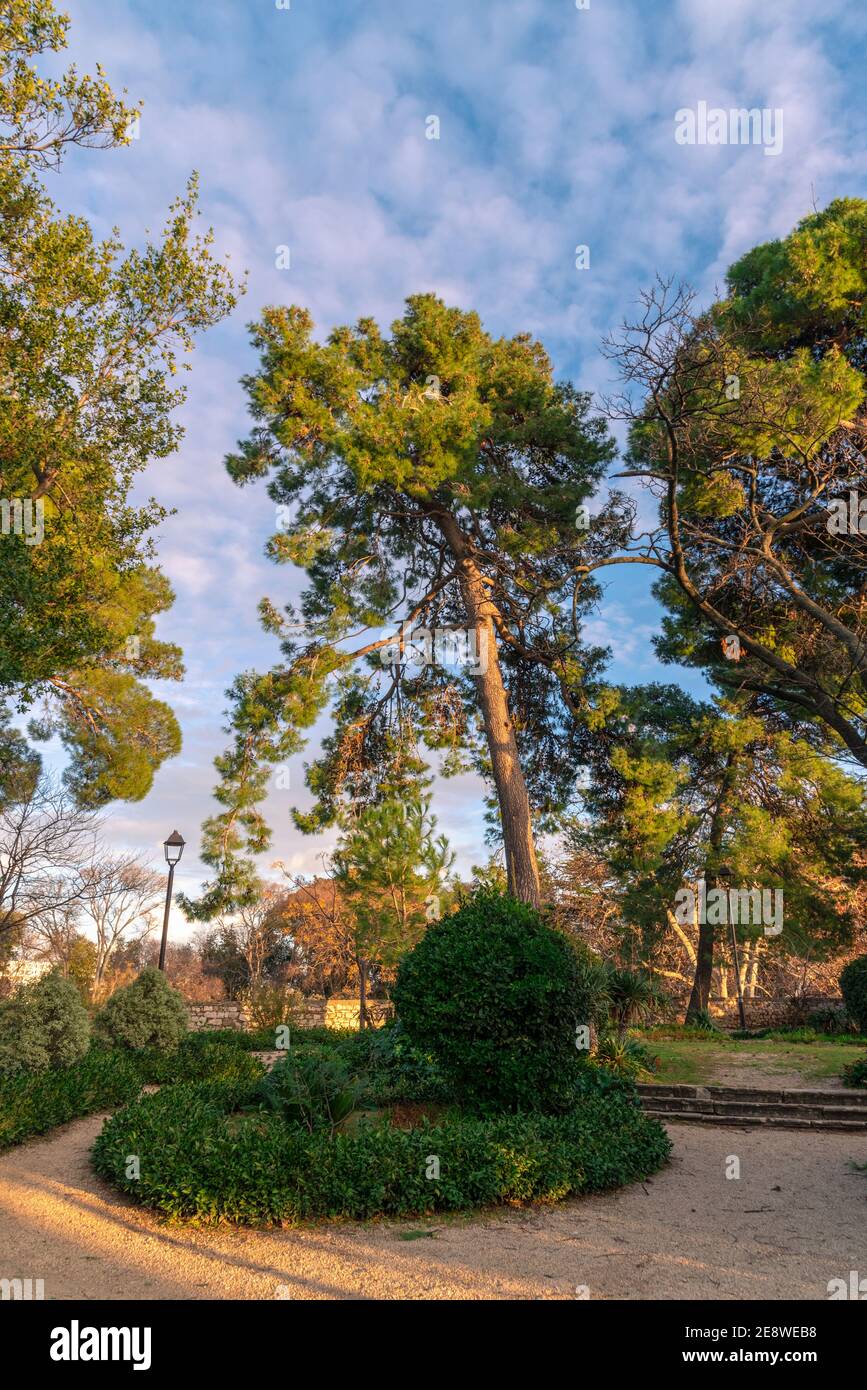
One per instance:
[(174, 847)]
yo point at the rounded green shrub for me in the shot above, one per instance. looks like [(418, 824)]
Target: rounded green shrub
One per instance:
[(203, 1159), (853, 987), (44, 1025), (145, 1014), (497, 997)]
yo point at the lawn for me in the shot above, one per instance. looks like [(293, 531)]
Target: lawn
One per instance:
[(721, 1060)]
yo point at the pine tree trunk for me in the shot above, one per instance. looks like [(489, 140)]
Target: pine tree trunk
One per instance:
[(700, 997), (362, 994), (522, 867)]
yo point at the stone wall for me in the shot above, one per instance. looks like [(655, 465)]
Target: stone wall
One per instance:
[(219, 1013), (778, 1013), (313, 1012)]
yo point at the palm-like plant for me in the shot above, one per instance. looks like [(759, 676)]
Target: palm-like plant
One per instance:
[(633, 997)]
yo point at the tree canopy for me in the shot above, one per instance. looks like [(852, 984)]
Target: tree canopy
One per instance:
[(92, 337), (431, 485), (749, 426)]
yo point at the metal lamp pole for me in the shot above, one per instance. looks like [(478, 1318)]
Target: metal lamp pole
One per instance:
[(174, 848)]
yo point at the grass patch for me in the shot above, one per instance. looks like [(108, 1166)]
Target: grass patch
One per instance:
[(711, 1059)]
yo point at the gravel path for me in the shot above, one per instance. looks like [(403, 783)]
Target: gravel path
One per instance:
[(796, 1218)]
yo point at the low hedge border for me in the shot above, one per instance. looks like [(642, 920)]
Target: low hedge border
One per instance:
[(200, 1162), (34, 1102)]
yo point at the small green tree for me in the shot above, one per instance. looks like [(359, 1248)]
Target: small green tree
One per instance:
[(146, 1013), (44, 1025), (391, 868)]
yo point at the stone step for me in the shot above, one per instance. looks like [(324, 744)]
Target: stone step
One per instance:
[(856, 1100), (683, 1105), (766, 1121)]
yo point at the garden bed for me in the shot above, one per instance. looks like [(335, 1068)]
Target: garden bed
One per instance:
[(202, 1159)]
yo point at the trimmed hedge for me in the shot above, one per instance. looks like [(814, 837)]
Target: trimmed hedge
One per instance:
[(34, 1102), (201, 1162), (145, 1014), (495, 995)]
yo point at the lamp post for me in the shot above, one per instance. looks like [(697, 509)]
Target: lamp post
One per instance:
[(174, 848)]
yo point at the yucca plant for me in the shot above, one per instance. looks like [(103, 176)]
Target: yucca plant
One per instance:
[(311, 1088), (633, 998), (625, 1056)]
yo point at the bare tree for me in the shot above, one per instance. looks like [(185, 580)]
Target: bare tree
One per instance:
[(120, 896), (51, 935), (255, 931), (46, 842)]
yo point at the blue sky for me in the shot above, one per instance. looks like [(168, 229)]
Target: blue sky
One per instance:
[(307, 125)]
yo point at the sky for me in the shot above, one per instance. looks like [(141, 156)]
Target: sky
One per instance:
[(309, 123)]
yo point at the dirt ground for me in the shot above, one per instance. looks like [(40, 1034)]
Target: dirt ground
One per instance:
[(795, 1218)]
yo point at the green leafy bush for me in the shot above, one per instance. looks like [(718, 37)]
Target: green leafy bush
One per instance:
[(703, 1021), (495, 995), (44, 1025), (201, 1160), (145, 1014), (401, 1071), (855, 1074), (632, 998), (198, 1058), (33, 1103), (831, 1019), (311, 1087), (853, 987)]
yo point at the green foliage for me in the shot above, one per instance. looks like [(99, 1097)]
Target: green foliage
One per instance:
[(145, 1014), (855, 1074), (853, 987), (496, 995), (311, 1087), (32, 1103), (198, 1057), (44, 1025), (829, 1020), (389, 864), (202, 1162), (401, 1071), (681, 788), (756, 546), (626, 1056), (633, 997), (93, 339), (403, 464), (270, 1004)]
